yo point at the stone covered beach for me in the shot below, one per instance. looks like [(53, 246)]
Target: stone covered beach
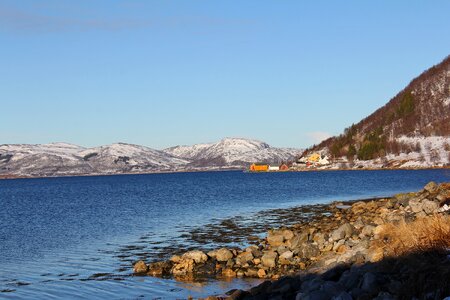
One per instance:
[(389, 248)]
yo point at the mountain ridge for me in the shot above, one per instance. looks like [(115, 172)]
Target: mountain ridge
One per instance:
[(62, 159)]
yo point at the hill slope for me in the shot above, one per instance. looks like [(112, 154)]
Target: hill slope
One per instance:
[(411, 130)]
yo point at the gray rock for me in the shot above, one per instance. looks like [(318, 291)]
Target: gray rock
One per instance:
[(344, 231)]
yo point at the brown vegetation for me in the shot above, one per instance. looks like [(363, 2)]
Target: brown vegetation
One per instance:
[(418, 109), (422, 235)]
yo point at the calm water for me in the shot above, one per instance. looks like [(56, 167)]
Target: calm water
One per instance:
[(71, 237)]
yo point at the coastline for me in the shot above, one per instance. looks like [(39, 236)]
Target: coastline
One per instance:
[(12, 177), (325, 237)]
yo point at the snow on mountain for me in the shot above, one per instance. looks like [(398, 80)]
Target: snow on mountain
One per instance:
[(59, 159), (232, 152), (129, 158)]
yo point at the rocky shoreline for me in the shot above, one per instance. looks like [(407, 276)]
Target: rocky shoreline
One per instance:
[(339, 252)]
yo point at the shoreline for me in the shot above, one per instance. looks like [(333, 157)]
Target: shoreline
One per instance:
[(324, 237), (14, 177)]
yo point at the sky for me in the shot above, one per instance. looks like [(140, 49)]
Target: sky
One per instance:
[(165, 73)]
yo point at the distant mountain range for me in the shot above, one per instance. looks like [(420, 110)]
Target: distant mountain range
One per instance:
[(62, 159), (411, 131)]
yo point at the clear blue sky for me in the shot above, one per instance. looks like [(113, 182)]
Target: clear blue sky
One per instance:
[(162, 73)]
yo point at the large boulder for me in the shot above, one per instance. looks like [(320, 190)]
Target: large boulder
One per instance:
[(198, 256), (429, 207), (159, 268)]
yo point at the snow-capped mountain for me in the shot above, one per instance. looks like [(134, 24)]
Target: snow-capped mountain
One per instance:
[(232, 152), (60, 159)]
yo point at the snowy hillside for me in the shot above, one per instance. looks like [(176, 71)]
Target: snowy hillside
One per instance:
[(233, 152), (59, 159)]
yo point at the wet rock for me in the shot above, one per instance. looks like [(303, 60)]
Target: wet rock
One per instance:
[(140, 267), (198, 256), (269, 259), (159, 268), (183, 267)]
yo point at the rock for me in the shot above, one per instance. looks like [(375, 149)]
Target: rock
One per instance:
[(287, 255), (175, 259), (288, 234), (183, 267), (429, 207), (159, 268), (311, 285), (377, 231), (308, 251), (198, 256), (261, 273), (370, 283), (244, 257), (431, 187), (297, 240), (140, 267), (367, 230), (338, 244), (416, 205), (344, 231), (275, 238), (223, 254), (269, 259), (342, 296), (228, 273), (251, 272)]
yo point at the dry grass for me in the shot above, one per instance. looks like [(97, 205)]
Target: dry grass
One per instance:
[(422, 235)]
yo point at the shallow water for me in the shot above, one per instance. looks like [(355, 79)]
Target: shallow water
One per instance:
[(77, 237)]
